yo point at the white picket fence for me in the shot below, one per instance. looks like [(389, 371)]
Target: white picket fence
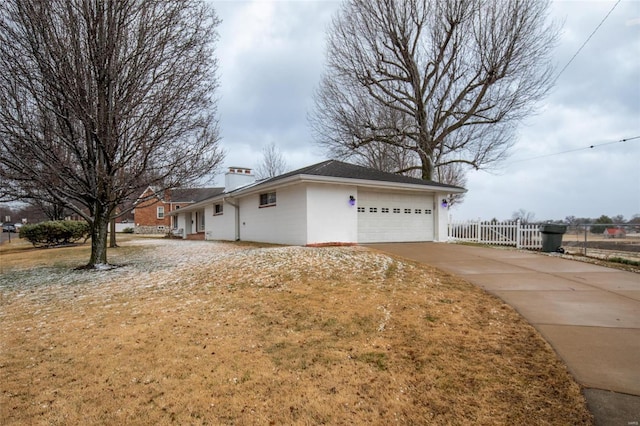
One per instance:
[(497, 233)]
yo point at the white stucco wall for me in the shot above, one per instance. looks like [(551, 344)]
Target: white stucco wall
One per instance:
[(330, 217), (221, 227), (441, 219), (284, 223)]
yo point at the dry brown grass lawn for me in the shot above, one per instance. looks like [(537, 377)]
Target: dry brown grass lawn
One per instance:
[(215, 333)]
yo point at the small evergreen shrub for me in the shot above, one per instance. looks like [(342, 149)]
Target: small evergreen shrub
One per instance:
[(54, 233), (128, 230)]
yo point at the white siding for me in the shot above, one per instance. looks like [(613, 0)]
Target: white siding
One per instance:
[(330, 217), (413, 220), (441, 219), (223, 226), (284, 223)]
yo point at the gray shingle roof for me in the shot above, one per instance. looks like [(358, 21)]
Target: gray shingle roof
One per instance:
[(193, 195), (339, 169)]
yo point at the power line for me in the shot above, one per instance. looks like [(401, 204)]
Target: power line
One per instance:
[(586, 41), (577, 149)]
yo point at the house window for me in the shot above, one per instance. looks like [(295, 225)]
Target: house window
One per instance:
[(361, 210), (373, 210), (160, 212), (418, 211), (268, 199), (407, 210), (396, 210), (385, 210), (427, 211), (217, 209)]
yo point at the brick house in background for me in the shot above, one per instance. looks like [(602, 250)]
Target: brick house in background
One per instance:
[(152, 208), (614, 233)]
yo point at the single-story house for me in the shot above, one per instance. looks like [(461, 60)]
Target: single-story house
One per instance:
[(331, 202), (151, 212), (614, 233)]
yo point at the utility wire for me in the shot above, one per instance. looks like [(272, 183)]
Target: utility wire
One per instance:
[(586, 41), (577, 149)]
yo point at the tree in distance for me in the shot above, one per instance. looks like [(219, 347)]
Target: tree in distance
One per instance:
[(101, 98), (272, 164), (525, 217), (440, 82)]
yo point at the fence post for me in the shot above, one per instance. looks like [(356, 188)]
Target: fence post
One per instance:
[(478, 229), (518, 233)]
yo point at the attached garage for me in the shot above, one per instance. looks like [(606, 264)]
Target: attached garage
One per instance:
[(395, 217)]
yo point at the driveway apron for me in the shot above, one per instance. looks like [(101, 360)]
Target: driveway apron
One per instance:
[(589, 314)]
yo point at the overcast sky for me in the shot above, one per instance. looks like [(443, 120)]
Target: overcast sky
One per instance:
[(272, 55)]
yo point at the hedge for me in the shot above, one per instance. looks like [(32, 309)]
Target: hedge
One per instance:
[(55, 233)]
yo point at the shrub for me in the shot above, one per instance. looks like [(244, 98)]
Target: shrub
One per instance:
[(53, 233), (128, 230), (624, 261)]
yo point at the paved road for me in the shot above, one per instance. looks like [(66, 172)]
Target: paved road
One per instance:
[(588, 313), (4, 236)]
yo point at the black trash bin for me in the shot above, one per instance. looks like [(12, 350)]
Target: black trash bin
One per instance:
[(552, 237)]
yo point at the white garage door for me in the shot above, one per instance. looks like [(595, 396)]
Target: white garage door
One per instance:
[(394, 217)]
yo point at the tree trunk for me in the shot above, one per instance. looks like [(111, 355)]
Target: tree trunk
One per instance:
[(99, 239), (426, 162), (112, 235)]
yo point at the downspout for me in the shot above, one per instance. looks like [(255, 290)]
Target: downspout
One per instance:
[(237, 209)]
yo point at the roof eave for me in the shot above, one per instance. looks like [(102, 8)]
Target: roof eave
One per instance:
[(369, 183)]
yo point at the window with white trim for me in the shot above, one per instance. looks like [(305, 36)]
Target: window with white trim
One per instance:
[(407, 210), (160, 212), (268, 199), (427, 211), (396, 210), (361, 209), (385, 210), (373, 210), (218, 209), (418, 211)]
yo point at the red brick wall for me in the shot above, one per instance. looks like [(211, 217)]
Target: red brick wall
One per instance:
[(146, 213)]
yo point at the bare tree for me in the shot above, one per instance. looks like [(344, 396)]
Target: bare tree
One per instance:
[(100, 97), (53, 211), (273, 162), (525, 217), (446, 80)]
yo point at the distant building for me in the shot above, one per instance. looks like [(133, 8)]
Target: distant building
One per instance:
[(153, 206), (614, 233)]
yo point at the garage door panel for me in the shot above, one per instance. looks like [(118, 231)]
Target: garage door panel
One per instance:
[(394, 217)]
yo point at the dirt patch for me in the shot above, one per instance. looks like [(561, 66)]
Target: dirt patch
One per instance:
[(191, 332)]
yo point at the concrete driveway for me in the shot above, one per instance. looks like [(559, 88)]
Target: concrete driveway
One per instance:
[(589, 314)]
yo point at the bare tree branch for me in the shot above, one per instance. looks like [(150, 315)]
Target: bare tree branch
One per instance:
[(273, 162), (446, 80)]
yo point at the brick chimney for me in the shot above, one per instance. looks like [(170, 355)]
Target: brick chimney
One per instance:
[(237, 177)]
